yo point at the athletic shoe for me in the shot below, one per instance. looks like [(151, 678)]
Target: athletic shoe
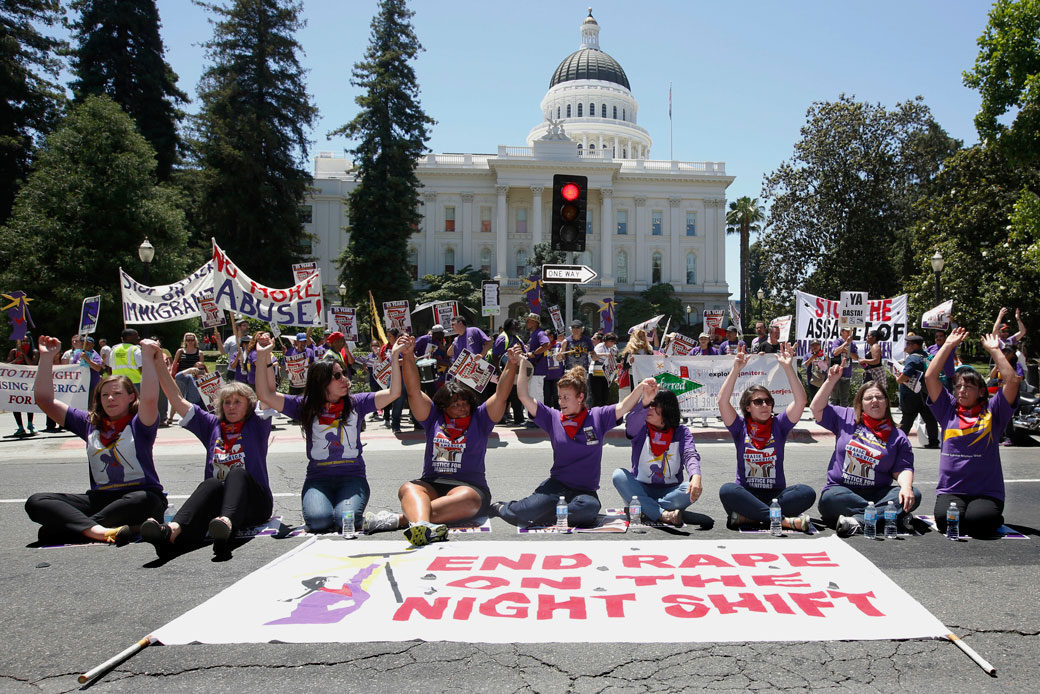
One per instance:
[(438, 532), (801, 522), (847, 526), (495, 509), (31, 429), (19, 431), (156, 533), (418, 534), (220, 529), (378, 522)]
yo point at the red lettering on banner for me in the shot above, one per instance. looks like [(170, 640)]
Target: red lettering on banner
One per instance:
[(423, 608), (809, 559), (565, 583), (649, 580), (776, 601), (464, 609), (782, 580), (311, 290), (684, 606), (684, 372), (490, 608), (692, 561), (480, 582), (616, 603), (698, 581), (810, 603), (556, 562), (278, 295), (451, 564), (748, 601), (524, 563), (753, 559), (881, 310), (575, 607), (638, 561), (826, 307), (860, 600)]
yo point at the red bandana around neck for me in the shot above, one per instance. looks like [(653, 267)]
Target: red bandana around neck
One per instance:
[(882, 428), (331, 413), (968, 416), (660, 439), (759, 432), (455, 428), (572, 423), (110, 430), (229, 434)]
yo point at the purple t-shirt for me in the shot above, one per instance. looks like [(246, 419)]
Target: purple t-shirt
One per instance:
[(536, 340), (292, 352), (127, 463), (554, 367), (580, 351), (697, 351), (473, 339), (249, 451), (728, 347), (461, 458), (852, 356), (761, 468), (334, 449), (969, 462), (948, 367), (576, 462), (666, 468), (860, 458)]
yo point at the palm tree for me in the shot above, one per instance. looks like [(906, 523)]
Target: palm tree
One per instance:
[(743, 217)]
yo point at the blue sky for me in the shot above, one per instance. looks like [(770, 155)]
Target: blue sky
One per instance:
[(743, 73)]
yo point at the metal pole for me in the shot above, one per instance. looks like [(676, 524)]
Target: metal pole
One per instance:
[(938, 290), (568, 293)]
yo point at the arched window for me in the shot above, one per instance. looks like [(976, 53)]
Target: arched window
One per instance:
[(568, 110), (691, 268), (413, 263), (579, 110), (557, 113), (579, 149), (592, 146), (485, 260), (623, 116), (655, 268), (624, 154), (603, 111), (449, 261), (592, 110), (615, 113), (622, 267), (521, 263)]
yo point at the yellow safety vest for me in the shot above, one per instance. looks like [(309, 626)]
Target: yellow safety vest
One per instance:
[(123, 363)]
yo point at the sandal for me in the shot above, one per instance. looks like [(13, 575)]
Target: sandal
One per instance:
[(156, 533), (220, 529)]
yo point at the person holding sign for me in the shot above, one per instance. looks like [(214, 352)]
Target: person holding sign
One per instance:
[(661, 449), (235, 492), (453, 486), (577, 435), (298, 358), (911, 384), (1003, 331), (970, 474), (119, 431), (331, 420), (873, 370), (760, 437), (869, 452), (844, 352)]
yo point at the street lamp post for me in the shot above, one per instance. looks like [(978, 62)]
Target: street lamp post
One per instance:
[(761, 296), (146, 252), (689, 311), (342, 293), (937, 268)]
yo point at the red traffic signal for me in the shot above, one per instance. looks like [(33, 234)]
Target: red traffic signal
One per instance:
[(570, 199), (570, 192)]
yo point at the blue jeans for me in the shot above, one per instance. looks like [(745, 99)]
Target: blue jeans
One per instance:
[(326, 498), (540, 507), (846, 501), (753, 504), (189, 391), (653, 498)]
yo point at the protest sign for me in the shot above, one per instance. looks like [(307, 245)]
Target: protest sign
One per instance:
[(852, 310), (784, 323), (18, 312), (302, 271), (610, 368), (557, 318), (445, 311), (709, 373), (382, 372), (735, 318), (344, 319), (165, 303), (472, 370), (552, 592), (606, 314), (88, 314), (648, 325), (713, 319), (817, 318), (71, 382), (396, 315), (489, 298), (296, 365), (211, 314), (208, 385), (300, 304), (680, 345), (939, 317)]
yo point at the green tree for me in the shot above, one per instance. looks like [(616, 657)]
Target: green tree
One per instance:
[(743, 218), (251, 136), (653, 301), (31, 99), (88, 203), (391, 131), (462, 286), (119, 52)]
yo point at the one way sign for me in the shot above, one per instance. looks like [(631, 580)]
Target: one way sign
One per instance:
[(568, 274)]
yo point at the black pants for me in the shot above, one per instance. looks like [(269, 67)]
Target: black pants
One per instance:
[(912, 404), (980, 515), (75, 513), (549, 395), (238, 497), (600, 390)]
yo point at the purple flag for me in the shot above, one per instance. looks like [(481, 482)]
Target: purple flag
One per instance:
[(532, 291), (606, 314), (18, 311)]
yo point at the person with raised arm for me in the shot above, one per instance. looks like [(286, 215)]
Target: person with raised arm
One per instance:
[(970, 474), (119, 431), (331, 421), (1003, 331), (760, 437)]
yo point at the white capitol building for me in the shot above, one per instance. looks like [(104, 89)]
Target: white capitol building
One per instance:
[(649, 221)]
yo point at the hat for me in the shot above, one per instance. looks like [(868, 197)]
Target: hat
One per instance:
[(577, 324), (533, 316), (732, 328), (333, 336), (301, 337), (247, 337), (241, 321), (88, 338), (438, 328), (706, 336), (915, 338)]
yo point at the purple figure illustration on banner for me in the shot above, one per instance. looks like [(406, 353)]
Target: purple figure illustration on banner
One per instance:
[(18, 311), (532, 291), (322, 604), (606, 314), (88, 315)]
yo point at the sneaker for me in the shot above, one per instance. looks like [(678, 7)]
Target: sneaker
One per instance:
[(156, 533), (220, 529), (495, 509), (32, 430), (801, 522), (438, 532), (847, 526), (673, 517), (378, 522), (20, 431), (418, 534)]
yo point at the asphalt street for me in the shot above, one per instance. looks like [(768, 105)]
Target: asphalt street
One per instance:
[(68, 609)]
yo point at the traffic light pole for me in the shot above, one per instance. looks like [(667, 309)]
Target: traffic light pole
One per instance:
[(569, 294)]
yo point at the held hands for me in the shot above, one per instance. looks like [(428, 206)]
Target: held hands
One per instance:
[(404, 343), (48, 346), (149, 349), (515, 354), (786, 354), (264, 346)]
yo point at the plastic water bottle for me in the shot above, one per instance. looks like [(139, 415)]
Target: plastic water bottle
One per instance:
[(348, 524), (775, 527), (635, 515), (953, 522), (870, 521), (561, 514), (890, 521), (170, 512)]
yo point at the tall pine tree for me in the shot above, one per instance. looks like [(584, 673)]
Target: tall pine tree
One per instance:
[(391, 131), (31, 100), (252, 136), (119, 52)]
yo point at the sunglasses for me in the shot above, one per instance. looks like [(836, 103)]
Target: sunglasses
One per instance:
[(337, 375), (762, 401)]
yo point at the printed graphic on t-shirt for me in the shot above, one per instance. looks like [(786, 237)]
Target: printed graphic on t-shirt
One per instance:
[(760, 464), (335, 443), (658, 469), (447, 453), (225, 461), (980, 427), (590, 435), (862, 456), (114, 465)]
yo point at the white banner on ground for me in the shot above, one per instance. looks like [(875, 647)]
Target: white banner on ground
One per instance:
[(326, 590), (71, 382), (939, 317), (710, 373), (300, 304), (817, 318), (396, 315), (166, 302)]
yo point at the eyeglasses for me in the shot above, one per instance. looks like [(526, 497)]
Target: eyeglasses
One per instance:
[(337, 375), (872, 398), (762, 401), (654, 406)]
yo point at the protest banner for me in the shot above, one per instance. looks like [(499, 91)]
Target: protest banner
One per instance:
[(211, 314), (397, 315), (557, 318), (300, 304), (680, 345), (71, 382), (647, 325), (735, 318), (708, 374), (296, 365), (784, 323), (938, 318), (713, 323), (552, 592), (344, 319), (167, 302), (610, 368), (852, 310), (606, 314), (489, 298), (472, 370), (208, 385), (444, 311), (18, 312), (302, 271), (817, 318), (532, 292), (88, 315)]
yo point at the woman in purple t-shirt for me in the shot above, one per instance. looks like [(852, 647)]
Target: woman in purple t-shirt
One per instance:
[(760, 437), (970, 474), (577, 435), (120, 432), (330, 417)]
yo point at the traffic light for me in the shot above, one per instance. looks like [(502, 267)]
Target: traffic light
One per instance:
[(570, 198)]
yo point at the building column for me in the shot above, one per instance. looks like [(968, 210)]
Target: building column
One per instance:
[(714, 234), (429, 229), (607, 228), (536, 215), (642, 253), (501, 237), (720, 240), (675, 272), (466, 257)]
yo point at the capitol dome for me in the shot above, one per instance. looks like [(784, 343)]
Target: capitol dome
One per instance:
[(589, 64)]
